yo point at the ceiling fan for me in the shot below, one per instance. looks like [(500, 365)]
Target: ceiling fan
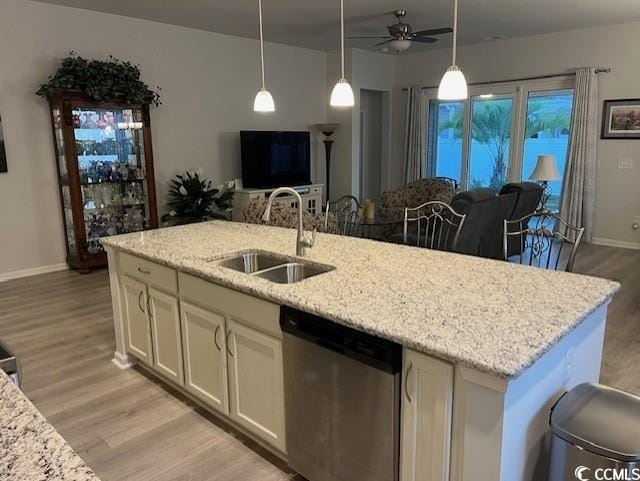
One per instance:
[(401, 34)]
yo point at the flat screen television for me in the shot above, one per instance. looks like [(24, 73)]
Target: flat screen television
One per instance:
[(275, 159)]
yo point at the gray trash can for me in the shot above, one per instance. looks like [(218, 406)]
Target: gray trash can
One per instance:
[(595, 434)]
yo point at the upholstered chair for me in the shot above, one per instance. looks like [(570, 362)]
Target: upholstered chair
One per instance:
[(284, 216)]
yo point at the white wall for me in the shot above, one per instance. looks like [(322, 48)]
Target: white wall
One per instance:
[(365, 70), (618, 192), (208, 83)]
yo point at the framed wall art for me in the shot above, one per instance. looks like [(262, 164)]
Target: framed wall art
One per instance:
[(621, 119)]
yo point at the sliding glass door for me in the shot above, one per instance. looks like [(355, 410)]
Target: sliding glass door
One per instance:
[(490, 146), (496, 135)]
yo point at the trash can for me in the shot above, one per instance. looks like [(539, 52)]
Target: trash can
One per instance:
[(595, 435)]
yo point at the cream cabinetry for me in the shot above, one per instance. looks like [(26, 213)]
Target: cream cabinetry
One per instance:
[(205, 358), (256, 382), (138, 332), (427, 402), (233, 356), (164, 315)]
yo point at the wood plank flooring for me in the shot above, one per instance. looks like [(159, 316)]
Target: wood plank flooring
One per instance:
[(124, 424), (127, 426)]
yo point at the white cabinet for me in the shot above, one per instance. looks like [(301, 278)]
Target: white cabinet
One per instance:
[(203, 338), (138, 331), (427, 399), (164, 314), (256, 382)]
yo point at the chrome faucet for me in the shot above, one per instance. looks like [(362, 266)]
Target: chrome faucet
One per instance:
[(302, 242)]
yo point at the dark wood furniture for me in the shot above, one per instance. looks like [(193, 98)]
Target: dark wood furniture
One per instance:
[(105, 171)]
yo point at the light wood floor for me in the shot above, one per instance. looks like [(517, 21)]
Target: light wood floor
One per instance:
[(122, 423), (128, 427)]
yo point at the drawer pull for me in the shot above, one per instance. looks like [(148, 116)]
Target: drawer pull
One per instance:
[(215, 338), (229, 345), (406, 381), (143, 271), (140, 301)]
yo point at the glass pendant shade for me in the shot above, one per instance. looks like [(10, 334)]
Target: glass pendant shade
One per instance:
[(342, 94), (453, 85), (264, 102)]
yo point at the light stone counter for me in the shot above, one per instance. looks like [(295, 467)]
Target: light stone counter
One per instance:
[(30, 448), (492, 316)]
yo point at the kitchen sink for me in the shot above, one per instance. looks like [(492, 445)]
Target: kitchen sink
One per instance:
[(251, 261), (292, 272), (272, 267)]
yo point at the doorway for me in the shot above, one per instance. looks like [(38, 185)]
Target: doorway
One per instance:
[(371, 144)]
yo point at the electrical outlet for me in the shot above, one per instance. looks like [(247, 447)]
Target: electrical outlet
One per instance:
[(626, 164)]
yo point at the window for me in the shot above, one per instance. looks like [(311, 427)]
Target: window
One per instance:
[(496, 135), (546, 131)]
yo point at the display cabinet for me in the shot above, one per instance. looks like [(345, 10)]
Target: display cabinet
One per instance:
[(105, 171)]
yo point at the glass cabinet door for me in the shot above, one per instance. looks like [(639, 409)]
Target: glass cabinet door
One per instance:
[(111, 167)]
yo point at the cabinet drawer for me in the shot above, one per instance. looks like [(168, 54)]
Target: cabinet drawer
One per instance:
[(249, 310), (149, 272)]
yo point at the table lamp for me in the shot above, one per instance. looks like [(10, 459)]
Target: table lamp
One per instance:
[(546, 170), (328, 130)]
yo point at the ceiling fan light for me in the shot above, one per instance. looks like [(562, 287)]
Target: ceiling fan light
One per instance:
[(453, 85), (342, 94), (264, 102), (400, 45)]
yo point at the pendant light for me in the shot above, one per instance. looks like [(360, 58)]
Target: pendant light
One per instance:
[(453, 85), (264, 100), (342, 94)]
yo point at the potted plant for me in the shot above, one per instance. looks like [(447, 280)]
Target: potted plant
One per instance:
[(111, 80), (194, 199)]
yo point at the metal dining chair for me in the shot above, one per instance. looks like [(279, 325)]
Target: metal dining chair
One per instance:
[(452, 181), (542, 240), (435, 226), (347, 212)]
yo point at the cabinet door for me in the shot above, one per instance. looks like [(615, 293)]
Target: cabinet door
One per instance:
[(137, 320), (255, 381), (165, 332), (426, 418), (205, 363)]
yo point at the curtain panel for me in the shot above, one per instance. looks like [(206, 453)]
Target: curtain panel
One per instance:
[(577, 205), (415, 136)]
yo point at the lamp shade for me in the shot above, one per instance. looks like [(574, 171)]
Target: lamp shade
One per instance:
[(342, 94), (264, 102), (546, 169), (453, 85)]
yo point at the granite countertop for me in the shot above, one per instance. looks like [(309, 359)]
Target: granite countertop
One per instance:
[(492, 316), (30, 448)]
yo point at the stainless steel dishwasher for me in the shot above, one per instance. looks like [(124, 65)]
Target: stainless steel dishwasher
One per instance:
[(342, 400)]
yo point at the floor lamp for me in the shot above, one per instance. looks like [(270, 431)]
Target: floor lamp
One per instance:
[(546, 170), (328, 130)]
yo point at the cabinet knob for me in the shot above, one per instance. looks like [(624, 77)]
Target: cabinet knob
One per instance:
[(229, 345), (141, 270), (406, 381)]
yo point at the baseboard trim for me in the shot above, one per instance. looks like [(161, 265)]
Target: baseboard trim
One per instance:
[(34, 271), (603, 241)]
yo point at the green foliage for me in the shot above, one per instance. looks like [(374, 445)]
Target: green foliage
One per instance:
[(112, 80), (491, 127), (193, 199)]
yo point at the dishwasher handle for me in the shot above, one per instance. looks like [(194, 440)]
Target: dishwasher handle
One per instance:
[(377, 352)]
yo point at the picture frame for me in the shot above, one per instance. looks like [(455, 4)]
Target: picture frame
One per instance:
[(3, 152), (621, 119)]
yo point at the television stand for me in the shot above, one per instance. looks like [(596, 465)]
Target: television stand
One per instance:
[(311, 198)]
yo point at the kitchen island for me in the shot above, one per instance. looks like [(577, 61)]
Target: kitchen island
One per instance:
[(489, 346)]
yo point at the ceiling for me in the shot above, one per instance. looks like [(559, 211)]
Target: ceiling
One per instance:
[(314, 23)]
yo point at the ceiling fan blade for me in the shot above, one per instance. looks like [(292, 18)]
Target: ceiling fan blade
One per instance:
[(424, 39), (382, 43), (432, 31), (368, 37)]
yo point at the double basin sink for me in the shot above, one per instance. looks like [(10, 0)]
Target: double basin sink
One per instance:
[(272, 267)]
